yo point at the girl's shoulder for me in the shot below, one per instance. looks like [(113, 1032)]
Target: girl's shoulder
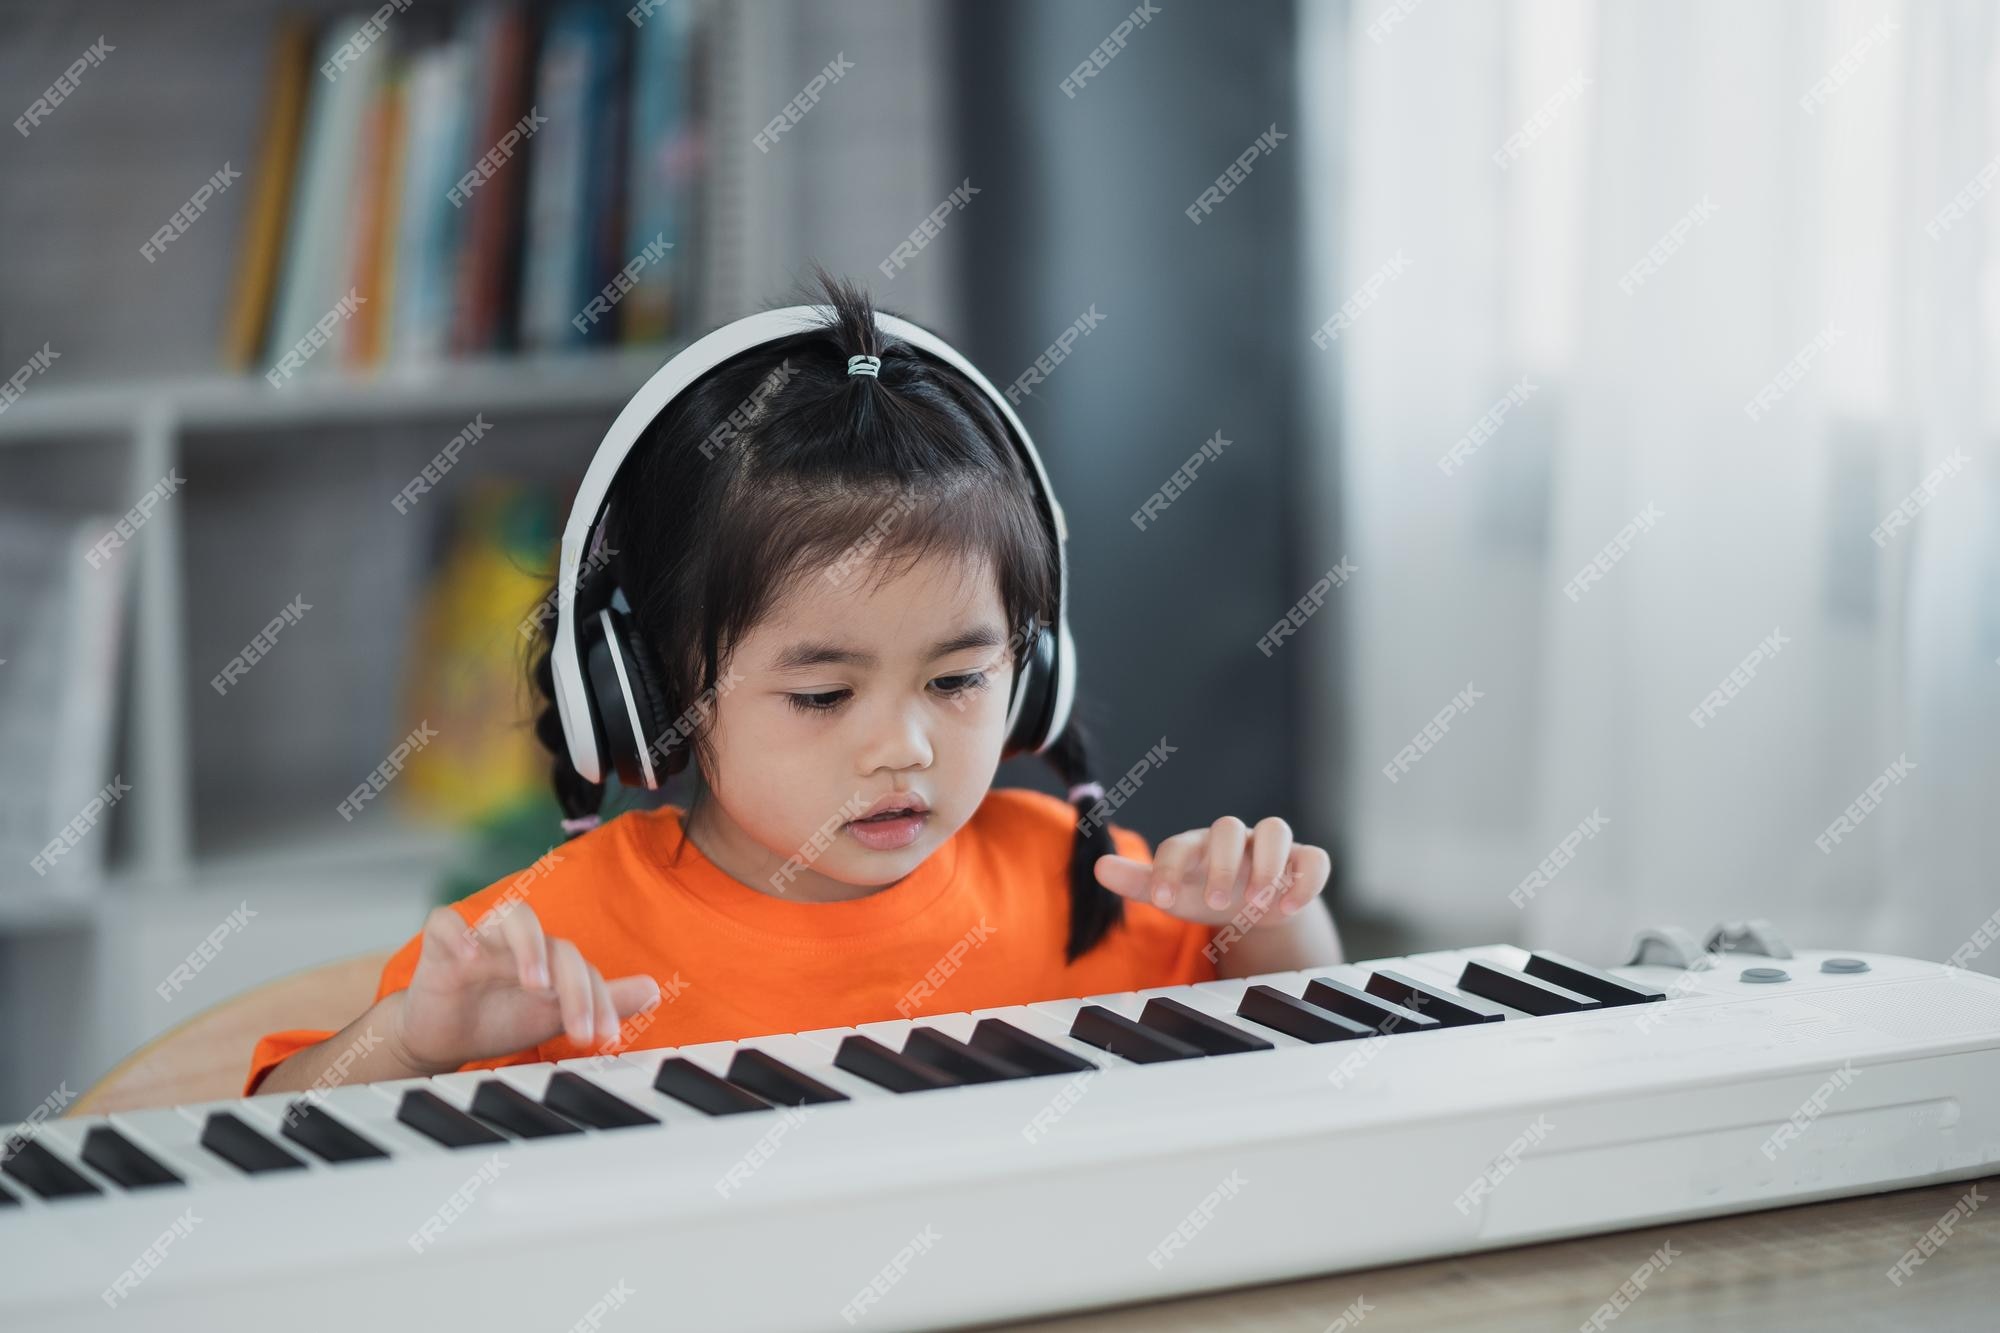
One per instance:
[(1023, 815), (583, 866)]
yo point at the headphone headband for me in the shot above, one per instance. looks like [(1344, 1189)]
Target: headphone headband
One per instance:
[(573, 701)]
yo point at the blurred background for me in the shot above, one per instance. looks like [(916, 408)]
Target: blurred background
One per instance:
[(1603, 390)]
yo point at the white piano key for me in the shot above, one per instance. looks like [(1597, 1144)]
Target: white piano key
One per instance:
[(1352, 974), (458, 1088), (531, 1079), (1065, 1011), (176, 1141), (891, 1032), (1229, 990), (648, 1061), (394, 1088), (1506, 955), (827, 1039), (264, 1111)]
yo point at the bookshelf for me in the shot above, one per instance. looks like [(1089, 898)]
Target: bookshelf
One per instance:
[(287, 488), (158, 424)]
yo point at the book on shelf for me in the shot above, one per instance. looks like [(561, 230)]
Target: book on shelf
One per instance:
[(665, 150), (490, 177), (571, 190), (264, 224), (59, 672)]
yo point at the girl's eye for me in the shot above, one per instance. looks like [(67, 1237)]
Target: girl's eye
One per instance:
[(817, 703), (951, 687)]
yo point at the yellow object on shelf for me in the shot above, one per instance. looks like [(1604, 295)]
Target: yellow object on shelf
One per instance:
[(465, 675)]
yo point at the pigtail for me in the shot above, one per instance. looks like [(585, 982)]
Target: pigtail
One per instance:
[(1093, 909)]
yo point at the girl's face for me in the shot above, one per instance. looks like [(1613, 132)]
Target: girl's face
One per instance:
[(844, 693)]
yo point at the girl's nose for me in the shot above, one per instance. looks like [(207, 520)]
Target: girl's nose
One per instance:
[(897, 740)]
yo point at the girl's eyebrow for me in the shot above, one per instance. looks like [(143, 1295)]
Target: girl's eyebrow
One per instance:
[(814, 653)]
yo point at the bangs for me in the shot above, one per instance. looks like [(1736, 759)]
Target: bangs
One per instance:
[(792, 539)]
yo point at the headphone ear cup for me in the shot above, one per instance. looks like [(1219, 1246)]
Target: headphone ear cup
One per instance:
[(1037, 687), (651, 700), (625, 699)]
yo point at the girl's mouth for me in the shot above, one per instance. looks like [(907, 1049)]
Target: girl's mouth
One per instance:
[(889, 832)]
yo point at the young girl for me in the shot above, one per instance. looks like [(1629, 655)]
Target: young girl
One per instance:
[(824, 558)]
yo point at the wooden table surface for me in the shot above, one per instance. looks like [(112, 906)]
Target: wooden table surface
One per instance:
[(1813, 1268)]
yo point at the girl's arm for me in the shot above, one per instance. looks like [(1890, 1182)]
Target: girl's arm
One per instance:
[(369, 1046)]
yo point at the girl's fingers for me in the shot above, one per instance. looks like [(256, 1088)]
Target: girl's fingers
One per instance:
[(1170, 865), (523, 932), (1226, 839), (634, 994), (445, 931), (1309, 867), (606, 1017), (1123, 876), (1270, 855), (574, 993)]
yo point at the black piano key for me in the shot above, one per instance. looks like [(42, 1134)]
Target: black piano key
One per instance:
[(243, 1147), (775, 1081), (576, 1097), (711, 1094), (123, 1162), (438, 1120), (1586, 980), (1518, 990), (967, 1064), (1449, 1007), (1113, 1032), (30, 1162), (1034, 1054), (1270, 1007), (1196, 1028), (515, 1111), (313, 1127), (868, 1058), (1371, 1011)]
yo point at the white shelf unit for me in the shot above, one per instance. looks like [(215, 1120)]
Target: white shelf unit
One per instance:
[(155, 425)]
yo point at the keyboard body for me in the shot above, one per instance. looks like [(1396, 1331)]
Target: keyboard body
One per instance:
[(1022, 1196)]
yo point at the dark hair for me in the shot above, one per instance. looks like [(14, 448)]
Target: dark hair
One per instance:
[(783, 462)]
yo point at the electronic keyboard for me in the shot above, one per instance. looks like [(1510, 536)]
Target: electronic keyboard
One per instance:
[(1005, 1163)]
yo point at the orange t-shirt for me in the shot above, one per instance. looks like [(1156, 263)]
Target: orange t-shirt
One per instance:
[(635, 895)]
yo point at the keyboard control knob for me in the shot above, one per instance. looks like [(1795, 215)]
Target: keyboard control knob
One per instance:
[(1756, 936), (1666, 946)]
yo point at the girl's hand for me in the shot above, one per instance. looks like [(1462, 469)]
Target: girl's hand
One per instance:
[(501, 986), (1203, 875)]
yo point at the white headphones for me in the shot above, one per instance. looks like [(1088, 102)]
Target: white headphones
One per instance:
[(605, 686)]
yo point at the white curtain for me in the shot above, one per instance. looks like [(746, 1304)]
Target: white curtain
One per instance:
[(1633, 219)]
